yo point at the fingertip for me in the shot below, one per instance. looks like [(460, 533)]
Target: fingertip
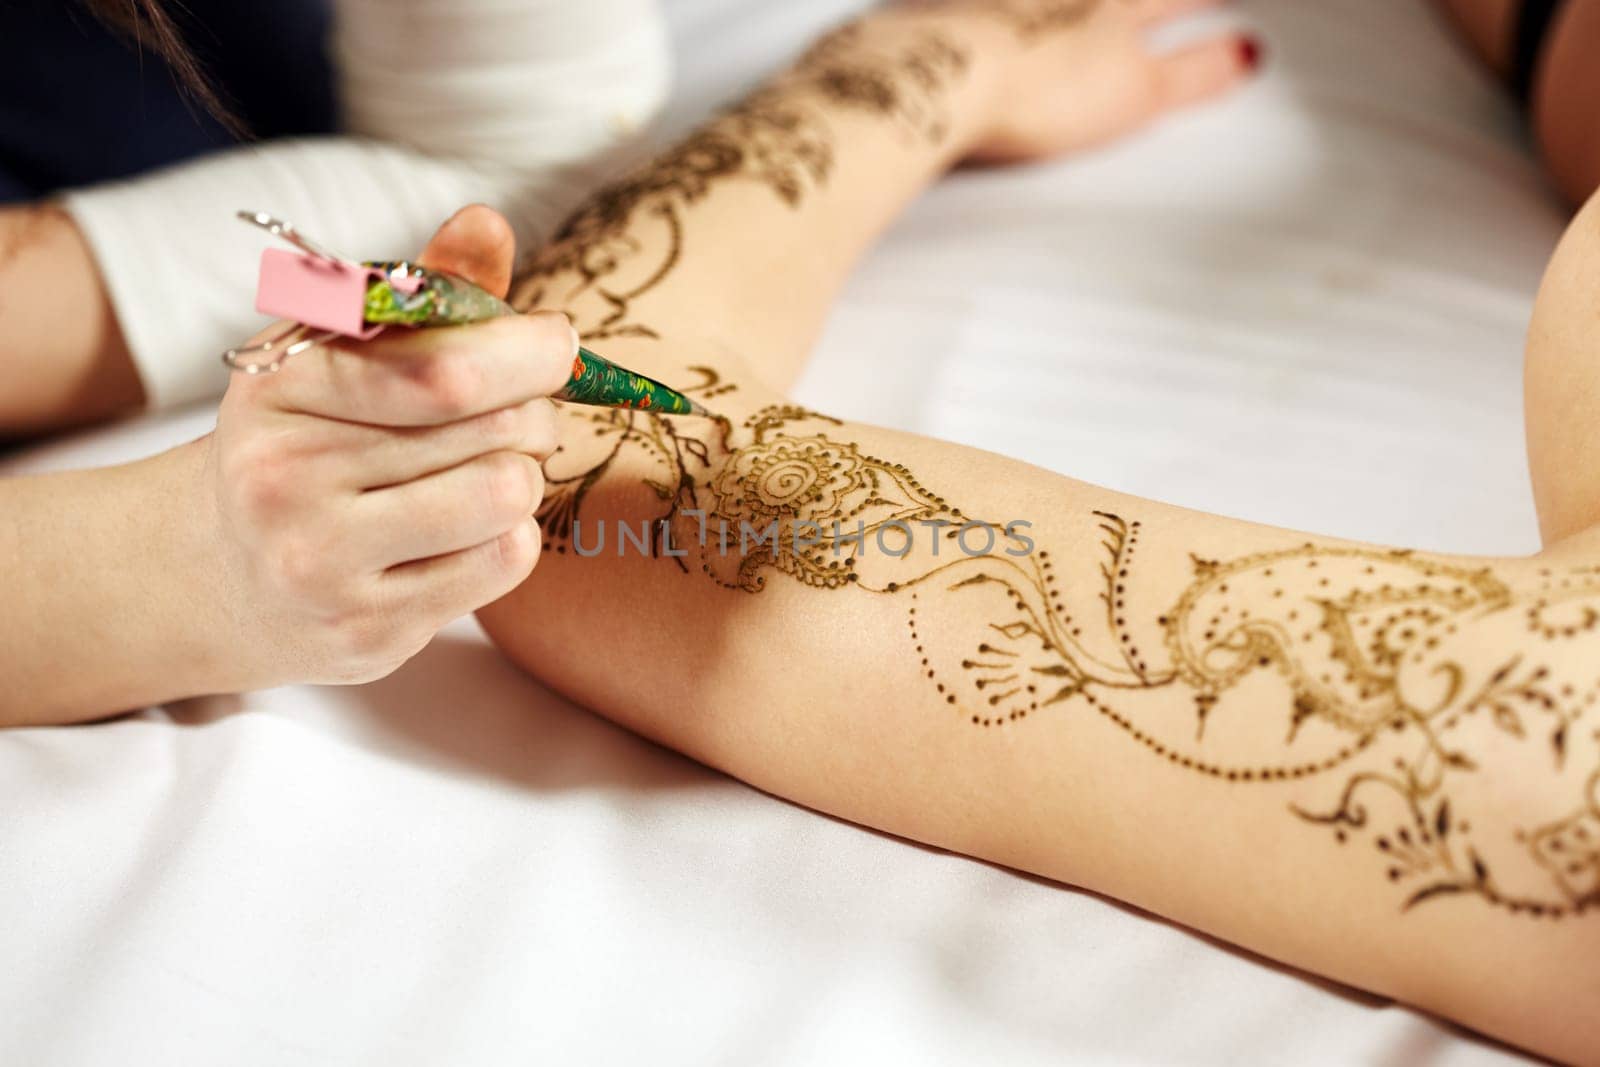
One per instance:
[(477, 243), (484, 224), (558, 343), (519, 549), (543, 437)]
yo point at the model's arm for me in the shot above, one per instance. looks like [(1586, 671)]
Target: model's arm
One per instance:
[(1371, 763)]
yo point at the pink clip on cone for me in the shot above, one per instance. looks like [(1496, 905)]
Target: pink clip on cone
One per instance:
[(323, 294)]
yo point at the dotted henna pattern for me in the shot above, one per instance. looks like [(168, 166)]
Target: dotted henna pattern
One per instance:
[(1374, 684)]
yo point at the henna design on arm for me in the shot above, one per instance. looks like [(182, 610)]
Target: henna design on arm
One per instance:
[(1030, 19), (1384, 697), (779, 138), (1369, 660)]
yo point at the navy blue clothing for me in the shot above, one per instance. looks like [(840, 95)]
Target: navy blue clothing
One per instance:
[(78, 104)]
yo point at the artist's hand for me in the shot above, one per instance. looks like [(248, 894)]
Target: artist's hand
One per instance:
[(1081, 72), (369, 493)]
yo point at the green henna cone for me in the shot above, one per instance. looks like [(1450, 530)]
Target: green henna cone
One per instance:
[(440, 299), (596, 380)]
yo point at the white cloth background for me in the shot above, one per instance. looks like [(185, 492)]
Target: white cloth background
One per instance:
[(1304, 307)]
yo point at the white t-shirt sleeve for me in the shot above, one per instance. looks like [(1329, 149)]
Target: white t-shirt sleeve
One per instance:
[(522, 83), (454, 102)]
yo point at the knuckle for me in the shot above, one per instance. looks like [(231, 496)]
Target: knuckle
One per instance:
[(540, 437), (517, 550), (513, 336), (552, 332), (354, 638), (508, 488), (365, 639), (261, 479), (501, 425), (450, 381), (247, 396), (371, 645), (296, 564)]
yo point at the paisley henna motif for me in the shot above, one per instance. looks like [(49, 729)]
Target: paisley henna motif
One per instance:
[(1372, 683)]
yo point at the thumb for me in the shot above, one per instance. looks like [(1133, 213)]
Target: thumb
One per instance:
[(476, 243)]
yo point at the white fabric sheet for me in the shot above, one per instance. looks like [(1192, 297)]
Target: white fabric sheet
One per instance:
[(1302, 307)]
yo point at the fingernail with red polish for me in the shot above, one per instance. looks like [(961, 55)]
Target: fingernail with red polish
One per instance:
[(1250, 52)]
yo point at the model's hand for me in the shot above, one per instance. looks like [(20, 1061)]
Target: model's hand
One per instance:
[(1083, 73), (368, 493)]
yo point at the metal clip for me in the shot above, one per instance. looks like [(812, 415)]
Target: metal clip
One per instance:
[(294, 338), (289, 341)]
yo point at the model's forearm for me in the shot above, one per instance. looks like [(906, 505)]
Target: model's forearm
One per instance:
[(1372, 764), (107, 601), (63, 361), (824, 157)]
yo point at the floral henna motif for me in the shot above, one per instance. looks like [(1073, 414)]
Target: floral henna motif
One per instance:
[(1569, 849), (1365, 615), (780, 138), (1373, 655), (800, 494), (1029, 18), (1393, 708), (1035, 17)]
